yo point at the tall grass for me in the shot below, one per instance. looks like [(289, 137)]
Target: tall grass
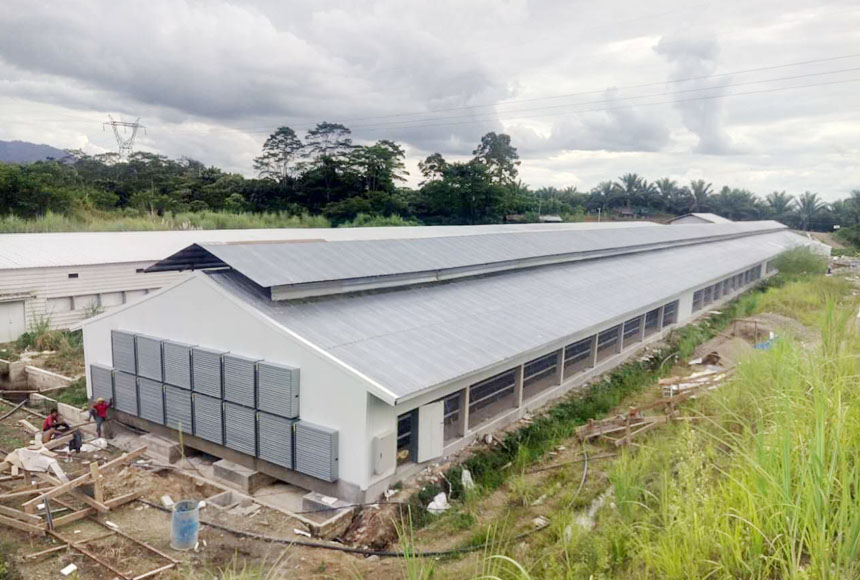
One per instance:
[(765, 487)]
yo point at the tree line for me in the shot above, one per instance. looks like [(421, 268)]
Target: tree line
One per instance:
[(325, 173)]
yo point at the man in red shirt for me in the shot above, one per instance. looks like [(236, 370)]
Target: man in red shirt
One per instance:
[(99, 413), (53, 423)]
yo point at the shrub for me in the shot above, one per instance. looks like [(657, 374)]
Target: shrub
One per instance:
[(800, 262)]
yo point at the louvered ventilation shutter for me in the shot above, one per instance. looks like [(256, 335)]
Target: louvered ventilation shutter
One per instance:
[(149, 358), (177, 364), (240, 428), (207, 371), (278, 389), (316, 451), (122, 348), (208, 418), (177, 409), (151, 396), (101, 381), (125, 393), (240, 379), (275, 439)]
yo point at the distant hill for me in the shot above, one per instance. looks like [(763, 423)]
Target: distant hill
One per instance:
[(23, 152)]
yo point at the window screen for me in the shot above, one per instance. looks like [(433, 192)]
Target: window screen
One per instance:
[(607, 342), (631, 330), (578, 353), (490, 396), (670, 313), (451, 418), (698, 300), (652, 321)]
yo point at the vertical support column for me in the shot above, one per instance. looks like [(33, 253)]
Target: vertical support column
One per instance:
[(660, 319), (464, 413), (593, 352), (518, 386), (619, 344), (641, 328), (559, 369)]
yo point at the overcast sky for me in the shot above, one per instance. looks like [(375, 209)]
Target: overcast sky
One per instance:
[(762, 95)]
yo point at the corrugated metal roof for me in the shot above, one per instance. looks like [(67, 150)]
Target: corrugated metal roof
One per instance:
[(709, 217), (412, 339), (87, 248), (280, 264)]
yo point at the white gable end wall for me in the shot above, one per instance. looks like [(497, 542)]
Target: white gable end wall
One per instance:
[(195, 311)]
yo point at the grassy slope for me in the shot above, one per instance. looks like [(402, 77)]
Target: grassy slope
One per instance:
[(764, 490)]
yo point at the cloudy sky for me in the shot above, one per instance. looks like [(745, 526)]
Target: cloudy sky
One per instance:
[(763, 95)]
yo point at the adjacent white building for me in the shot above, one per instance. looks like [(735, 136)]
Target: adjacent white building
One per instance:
[(343, 366), (65, 277)]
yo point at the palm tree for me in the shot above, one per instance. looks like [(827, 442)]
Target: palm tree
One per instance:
[(700, 192), (602, 195), (808, 207), (780, 204), (629, 188)]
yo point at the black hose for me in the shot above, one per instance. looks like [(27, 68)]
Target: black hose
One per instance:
[(347, 549)]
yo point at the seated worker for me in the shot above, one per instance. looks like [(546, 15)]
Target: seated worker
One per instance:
[(53, 425), (99, 413)]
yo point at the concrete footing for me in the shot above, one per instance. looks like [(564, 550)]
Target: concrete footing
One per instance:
[(240, 477), (160, 448)]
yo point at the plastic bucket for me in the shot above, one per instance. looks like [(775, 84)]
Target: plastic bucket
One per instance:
[(184, 524)]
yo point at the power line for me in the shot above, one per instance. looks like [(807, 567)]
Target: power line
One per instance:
[(620, 107), (622, 87), (682, 91)]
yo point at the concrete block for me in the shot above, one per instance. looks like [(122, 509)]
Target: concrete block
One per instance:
[(161, 449), (331, 516), (239, 477)]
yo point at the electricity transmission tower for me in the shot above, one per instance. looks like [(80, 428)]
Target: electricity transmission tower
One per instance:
[(124, 141)]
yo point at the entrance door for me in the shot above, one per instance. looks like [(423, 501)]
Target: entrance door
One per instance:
[(431, 431), (12, 322)]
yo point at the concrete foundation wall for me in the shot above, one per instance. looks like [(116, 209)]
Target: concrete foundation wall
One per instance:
[(41, 379)]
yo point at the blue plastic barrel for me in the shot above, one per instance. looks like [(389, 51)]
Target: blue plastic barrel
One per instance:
[(184, 524)]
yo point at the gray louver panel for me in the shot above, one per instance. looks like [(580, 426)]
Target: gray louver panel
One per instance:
[(122, 347), (275, 439), (149, 358), (240, 428), (101, 381), (177, 409), (316, 450), (208, 421), (177, 364), (207, 371), (278, 389), (151, 397), (239, 379), (125, 392)]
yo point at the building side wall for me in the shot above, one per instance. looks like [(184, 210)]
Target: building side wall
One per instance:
[(383, 418), (51, 293), (194, 311)]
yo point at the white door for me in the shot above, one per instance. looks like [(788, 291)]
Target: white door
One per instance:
[(12, 322), (431, 431)]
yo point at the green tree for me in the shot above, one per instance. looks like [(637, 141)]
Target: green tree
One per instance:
[(809, 206), (700, 196), (281, 151), (432, 168), (381, 165), (780, 205), (499, 156)]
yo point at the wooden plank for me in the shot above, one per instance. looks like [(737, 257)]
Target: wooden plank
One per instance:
[(18, 406), (13, 523), (29, 426), (19, 515), (122, 499), (28, 506), (88, 512), (152, 573), (139, 543), (97, 482), (627, 438), (35, 555), (77, 494), (91, 556)]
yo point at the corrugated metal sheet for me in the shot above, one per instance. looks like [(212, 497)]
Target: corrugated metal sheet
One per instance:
[(207, 371), (125, 392), (316, 451), (123, 351), (410, 340), (240, 379), (289, 263), (208, 418), (149, 358), (151, 396), (240, 428), (278, 389), (275, 439), (177, 409), (177, 364), (101, 380), (80, 248)]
